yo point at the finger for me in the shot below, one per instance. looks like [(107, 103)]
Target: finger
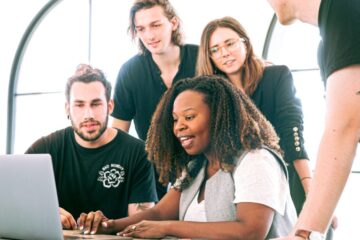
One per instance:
[(88, 222), (127, 230), (64, 222), (81, 220), (108, 224), (72, 221), (126, 234), (335, 223), (68, 219), (97, 220)]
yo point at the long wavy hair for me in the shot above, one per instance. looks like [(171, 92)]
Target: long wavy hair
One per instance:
[(253, 68), (169, 11), (235, 125)]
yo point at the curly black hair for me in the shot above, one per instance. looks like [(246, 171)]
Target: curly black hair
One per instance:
[(235, 125)]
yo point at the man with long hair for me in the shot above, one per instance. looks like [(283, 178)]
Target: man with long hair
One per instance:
[(163, 59)]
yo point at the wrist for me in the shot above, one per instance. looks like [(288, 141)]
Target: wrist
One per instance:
[(167, 228), (307, 178), (309, 235), (302, 233)]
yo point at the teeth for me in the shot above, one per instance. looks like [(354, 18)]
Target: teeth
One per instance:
[(184, 138)]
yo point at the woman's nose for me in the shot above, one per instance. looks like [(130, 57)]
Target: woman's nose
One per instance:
[(179, 126)]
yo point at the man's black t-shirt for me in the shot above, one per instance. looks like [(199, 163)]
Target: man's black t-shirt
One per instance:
[(339, 24), (107, 178), (139, 87)]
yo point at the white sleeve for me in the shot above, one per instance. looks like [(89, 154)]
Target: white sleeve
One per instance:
[(259, 178)]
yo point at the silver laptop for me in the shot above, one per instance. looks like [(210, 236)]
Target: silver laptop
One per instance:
[(29, 207)]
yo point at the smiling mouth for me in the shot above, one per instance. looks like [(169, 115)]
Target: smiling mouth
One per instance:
[(153, 43), (186, 141), (228, 62)]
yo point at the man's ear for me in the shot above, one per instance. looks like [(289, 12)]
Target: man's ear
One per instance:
[(67, 110), (111, 106), (175, 23)]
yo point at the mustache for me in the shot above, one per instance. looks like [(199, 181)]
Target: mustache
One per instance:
[(90, 121)]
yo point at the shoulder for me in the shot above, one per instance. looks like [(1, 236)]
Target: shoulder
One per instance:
[(259, 159), (53, 140), (260, 164), (129, 141), (134, 64), (276, 75), (134, 60), (276, 70), (259, 154), (133, 70), (59, 134), (190, 49), (259, 178)]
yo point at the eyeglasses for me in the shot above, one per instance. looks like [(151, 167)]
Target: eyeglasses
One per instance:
[(230, 46)]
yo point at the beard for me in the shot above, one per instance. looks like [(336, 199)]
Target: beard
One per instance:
[(93, 135)]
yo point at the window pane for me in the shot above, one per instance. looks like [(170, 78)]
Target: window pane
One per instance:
[(294, 46), (37, 116), (111, 46), (58, 44), (311, 92), (13, 23)]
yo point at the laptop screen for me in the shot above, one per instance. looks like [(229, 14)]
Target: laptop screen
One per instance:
[(28, 201)]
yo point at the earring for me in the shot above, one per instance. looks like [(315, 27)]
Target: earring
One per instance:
[(68, 116)]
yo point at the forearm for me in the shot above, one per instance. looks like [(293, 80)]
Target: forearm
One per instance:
[(302, 168), (335, 157), (135, 208), (337, 148), (213, 230), (149, 214)]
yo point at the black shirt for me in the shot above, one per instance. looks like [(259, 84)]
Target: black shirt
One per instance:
[(107, 178), (139, 87), (275, 96), (339, 24)]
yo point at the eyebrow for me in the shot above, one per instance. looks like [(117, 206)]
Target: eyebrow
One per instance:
[(96, 100), (92, 101), (188, 109), (154, 22), (226, 41)]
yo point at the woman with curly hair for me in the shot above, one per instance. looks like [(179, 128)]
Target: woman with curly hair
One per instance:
[(231, 181)]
